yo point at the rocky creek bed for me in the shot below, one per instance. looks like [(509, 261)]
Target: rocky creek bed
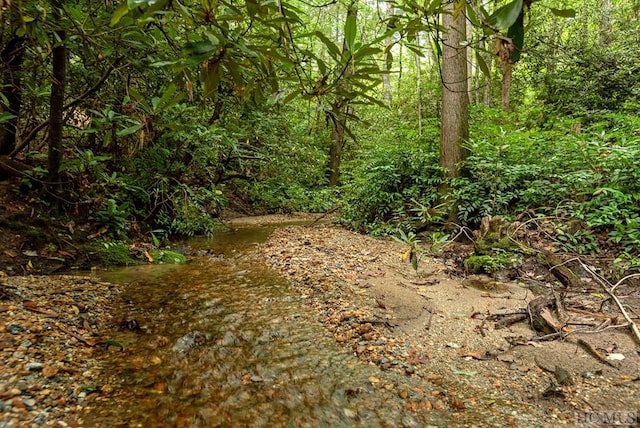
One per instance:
[(428, 327)]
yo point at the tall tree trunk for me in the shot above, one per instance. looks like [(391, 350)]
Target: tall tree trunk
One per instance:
[(335, 151), (56, 103), (454, 125), (340, 108), (606, 29), (11, 59), (507, 71), (419, 94), (486, 85), (387, 96)]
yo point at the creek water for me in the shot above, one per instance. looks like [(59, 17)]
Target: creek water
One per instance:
[(224, 341)]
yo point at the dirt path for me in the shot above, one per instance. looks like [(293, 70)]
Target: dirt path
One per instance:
[(431, 325)]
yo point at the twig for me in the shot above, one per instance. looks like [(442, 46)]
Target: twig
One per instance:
[(608, 288), (331, 211), (594, 353)]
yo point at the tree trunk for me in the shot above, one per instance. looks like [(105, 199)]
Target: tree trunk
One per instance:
[(419, 94), (606, 29), (340, 110), (56, 103), (386, 77), (507, 70), (11, 59), (335, 152), (454, 125)]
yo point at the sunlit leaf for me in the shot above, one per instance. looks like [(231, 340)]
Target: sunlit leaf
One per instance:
[(505, 16), (120, 11), (350, 29), (565, 13), (130, 130), (482, 65), (333, 49)]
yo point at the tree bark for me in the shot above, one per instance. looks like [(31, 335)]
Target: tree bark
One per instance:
[(11, 59), (56, 103), (387, 96), (507, 71), (454, 125), (340, 111)]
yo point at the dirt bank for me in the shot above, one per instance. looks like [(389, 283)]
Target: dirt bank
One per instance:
[(431, 324)]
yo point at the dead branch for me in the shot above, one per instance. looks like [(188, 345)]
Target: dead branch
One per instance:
[(608, 288)]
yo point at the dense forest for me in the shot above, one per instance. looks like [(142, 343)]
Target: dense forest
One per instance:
[(144, 119)]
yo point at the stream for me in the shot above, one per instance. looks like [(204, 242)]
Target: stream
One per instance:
[(224, 341)]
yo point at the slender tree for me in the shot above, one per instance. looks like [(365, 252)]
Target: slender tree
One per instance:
[(454, 125), (341, 105), (56, 103)]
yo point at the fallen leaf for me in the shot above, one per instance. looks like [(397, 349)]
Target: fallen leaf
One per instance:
[(475, 355), (615, 357), (462, 372), (30, 253), (10, 253)]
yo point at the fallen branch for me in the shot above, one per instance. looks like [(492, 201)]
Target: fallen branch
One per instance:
[(608, 288), (87, 342)]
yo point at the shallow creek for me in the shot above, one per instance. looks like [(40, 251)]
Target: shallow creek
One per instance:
[(224, 341)]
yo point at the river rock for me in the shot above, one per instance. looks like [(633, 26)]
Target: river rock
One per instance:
[(34, 366)]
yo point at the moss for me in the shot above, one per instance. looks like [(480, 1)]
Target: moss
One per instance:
[(484, 246), (494, 263), (37, 236), (167, 256), (110, 253)]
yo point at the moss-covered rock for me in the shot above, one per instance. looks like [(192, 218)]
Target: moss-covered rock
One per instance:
[(167, 256), (110, 253), (492, 263)]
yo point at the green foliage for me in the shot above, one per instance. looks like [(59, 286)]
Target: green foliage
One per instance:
[(113, 218), (384, 183), (187, 211)]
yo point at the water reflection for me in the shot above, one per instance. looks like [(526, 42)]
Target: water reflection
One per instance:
[(226, 342)]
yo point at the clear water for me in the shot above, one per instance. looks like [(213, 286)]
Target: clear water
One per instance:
[(224, 341)]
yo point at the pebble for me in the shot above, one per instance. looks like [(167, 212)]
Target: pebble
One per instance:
[(34, 366), (15, 329)]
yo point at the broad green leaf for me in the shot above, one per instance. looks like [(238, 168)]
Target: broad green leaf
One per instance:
[(199, 48), (184, 12), (505, 16), (366, 51), (141, 100), (516, 33), (565, 13), (120, 11), (322, 67), (164, 63), (130, 130), (482, 65), (350, 29), (333, 49), (211, 78)]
